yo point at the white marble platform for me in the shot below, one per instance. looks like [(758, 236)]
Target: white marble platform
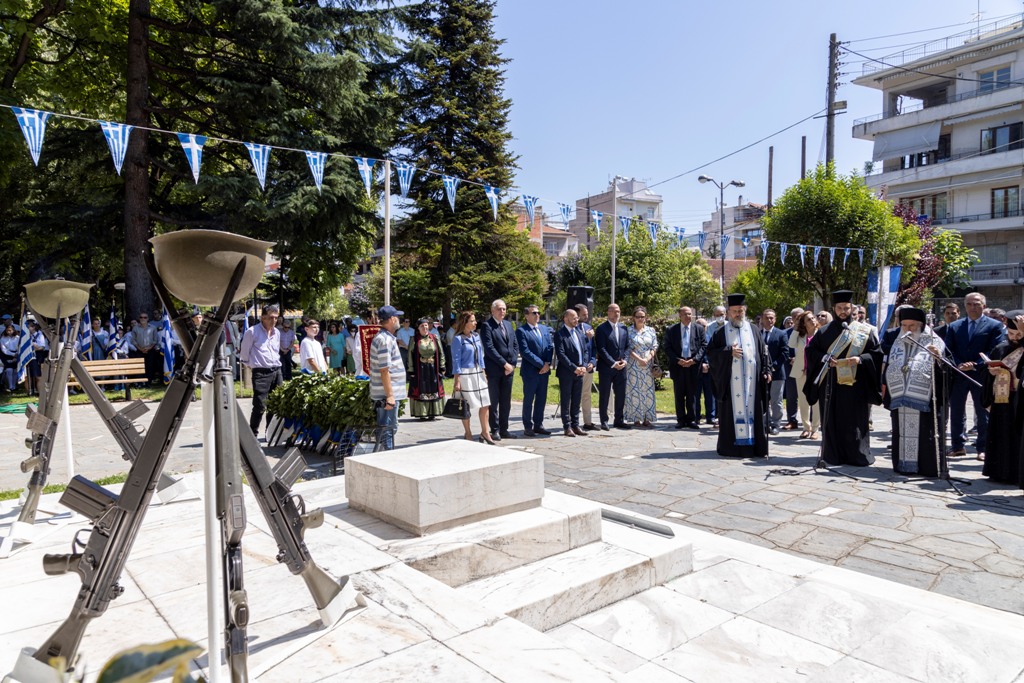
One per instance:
[(439, 486)]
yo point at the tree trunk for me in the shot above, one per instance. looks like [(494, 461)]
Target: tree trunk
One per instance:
[(138, 286)]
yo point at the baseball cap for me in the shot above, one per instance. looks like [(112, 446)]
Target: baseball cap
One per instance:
[(385, 312)]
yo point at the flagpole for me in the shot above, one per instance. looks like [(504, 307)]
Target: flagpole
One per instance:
[(615, 210), (387, 232)]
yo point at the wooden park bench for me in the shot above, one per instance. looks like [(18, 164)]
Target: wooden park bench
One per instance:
[(126, 371)]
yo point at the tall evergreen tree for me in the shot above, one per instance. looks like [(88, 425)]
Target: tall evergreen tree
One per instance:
[(457, 124)]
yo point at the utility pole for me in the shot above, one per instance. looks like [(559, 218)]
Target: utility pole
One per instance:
[(803, 157), (771, 158), (387, 232), (615, 219), (830, 112)]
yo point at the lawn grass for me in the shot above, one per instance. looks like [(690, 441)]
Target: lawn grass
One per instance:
[(12, 494)]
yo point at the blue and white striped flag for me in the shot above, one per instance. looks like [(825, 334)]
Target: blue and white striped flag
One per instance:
[(405, 173), (117, 135), (451, 185), (679, 236), (597, 216), (25, 351), (653, 227), (113, 337), (33, 127), (725, 242), (846, 256), (764, 250), (832, 256), (745, 241), (493, 194), (259, 155), (701, 238), (530, 203), (317, 161), (817, 251), (365, 167), (565, 210), (783, 247), (167, 347), (624, 224), (192, 145), (85, 337), (800, 249), (860, 255), (883, 284), (874, 257)]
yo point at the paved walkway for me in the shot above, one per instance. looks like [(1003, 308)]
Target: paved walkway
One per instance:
[(917, 532)]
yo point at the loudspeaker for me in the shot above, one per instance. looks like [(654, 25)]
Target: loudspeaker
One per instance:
[(580, 295)]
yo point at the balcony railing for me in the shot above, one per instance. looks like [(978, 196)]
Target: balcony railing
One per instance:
[(957, 97), (952, 220), (997, 272)]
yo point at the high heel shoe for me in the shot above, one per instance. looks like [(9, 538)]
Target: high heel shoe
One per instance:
[(486, 441)]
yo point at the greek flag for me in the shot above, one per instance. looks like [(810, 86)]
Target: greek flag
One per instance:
[(192, 145), (846, 256), (679, 236), (85, 338), (701, 237), (883, 284), (745, 241), (565, 210), (166, 347), (113, 338), (800, 249), (33, 127), (653, 227), (25, 351), (764, 250), (874, 257), (365, 167), (832, 256), (492, 198), (451, 184), (405, 173), (596, 216), (117, 135), (530, 203), (725, 242), (817, 250), (317, 161), (259, 155), (860, 255), (624, 223), (782, 252)]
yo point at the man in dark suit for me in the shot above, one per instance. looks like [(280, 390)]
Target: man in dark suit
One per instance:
[(778, 352), (586, 407), (573, 363), (501, 353), (612, 344), (538, 350), (966, 339), (950, 313), (684, 344)]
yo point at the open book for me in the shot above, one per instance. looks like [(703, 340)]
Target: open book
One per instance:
[(1009, 363)]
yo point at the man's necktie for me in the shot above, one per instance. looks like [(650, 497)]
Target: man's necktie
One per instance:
[(970, 328)]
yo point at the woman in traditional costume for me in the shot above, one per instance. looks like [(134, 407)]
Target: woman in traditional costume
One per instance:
[(426, 372)]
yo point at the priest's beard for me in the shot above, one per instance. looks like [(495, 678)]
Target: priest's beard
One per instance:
[(737, 323)]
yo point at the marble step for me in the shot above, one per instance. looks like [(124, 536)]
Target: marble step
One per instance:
[(558, 589), (474, 551)]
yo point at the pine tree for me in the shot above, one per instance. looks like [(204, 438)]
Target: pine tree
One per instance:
[(457, 124)]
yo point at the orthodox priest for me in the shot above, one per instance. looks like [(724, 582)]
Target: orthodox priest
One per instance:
[(1004, 448), (914, 393), (741, 374), (843, 370)]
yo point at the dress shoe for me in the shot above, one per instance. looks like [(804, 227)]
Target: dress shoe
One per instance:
[(958, 453), (680, 426), (591, 427), (528, 432), (495, 436), (622, 425), (508, 435), (693, 425), (774, 431), (579, 432), (541, 430), (569, 432), (604, 426)]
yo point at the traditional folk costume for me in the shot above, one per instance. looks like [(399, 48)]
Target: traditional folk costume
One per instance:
[(1004, 452), (847, 391), (426, 370), (741, 392), (915, 393)]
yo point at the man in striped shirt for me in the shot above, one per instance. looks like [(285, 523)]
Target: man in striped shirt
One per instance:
[(387, 375)]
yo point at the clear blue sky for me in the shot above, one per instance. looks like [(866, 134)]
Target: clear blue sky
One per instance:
[(653, 88)]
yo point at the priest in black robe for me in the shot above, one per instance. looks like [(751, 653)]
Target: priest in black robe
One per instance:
[(1004, 449), (741, 374), (850, 384)]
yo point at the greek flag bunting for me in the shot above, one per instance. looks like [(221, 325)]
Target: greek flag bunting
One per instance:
[(653, 227), (832, 256), (883, 284), (530, 203), (624, 225), (492, 198), (259, 155), (782, 252), (166, 347), (701, 238), (846, 256), (113, 338), (117, 135), (800, 250), (192, 145), (365, 167), (25, 352), (860, 255), (817, 251), (451, 184), (85, 338), (725, 242), (874, 257), (764, 250), (405, 173), (679, 236), (33, 127), (597, 217), (745, 241), (317, 161), (565, 210)]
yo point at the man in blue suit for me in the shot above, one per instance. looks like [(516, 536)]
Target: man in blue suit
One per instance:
[(968, 338), (573, 362), (778, 351), (612, 343), (538, 351), (501, 354)]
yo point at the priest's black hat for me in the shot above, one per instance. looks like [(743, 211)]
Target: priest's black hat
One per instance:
[(912, 313), (737, 299), (842, 296), (1010, 315)]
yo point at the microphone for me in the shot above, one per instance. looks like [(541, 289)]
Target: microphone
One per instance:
[(846, 325), (905, 335)]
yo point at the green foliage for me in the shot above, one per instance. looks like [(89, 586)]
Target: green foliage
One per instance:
[(143, 663), (764, 291), (828, 209), (331, 401), (957, 261)]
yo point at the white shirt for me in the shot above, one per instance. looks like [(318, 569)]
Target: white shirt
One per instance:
[(312, 350)]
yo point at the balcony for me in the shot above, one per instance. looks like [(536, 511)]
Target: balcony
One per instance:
[(951, 107), (997, 274), (966, 166)]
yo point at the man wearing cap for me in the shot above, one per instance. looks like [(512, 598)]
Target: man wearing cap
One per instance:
[(387, 375), (501, 353), (260, 352), (847, 358), (741, 373), (914, 381), (287, 342)]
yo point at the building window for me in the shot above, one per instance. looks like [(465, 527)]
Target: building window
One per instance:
[(933, 206), (1005, 202), (995, 79), (1001, 139), (650, 212), (989, 254)]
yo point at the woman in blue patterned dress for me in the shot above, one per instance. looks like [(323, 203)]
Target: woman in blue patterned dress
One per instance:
[(643, 346)]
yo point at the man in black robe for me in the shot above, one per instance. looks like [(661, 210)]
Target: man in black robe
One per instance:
[(1004, 450), (741, 374), (850, 385)]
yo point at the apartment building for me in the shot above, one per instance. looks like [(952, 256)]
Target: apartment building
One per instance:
[(949, 141), (623, 197), (741, 221)]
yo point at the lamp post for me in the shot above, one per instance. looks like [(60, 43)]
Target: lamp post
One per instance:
[(721, 219)]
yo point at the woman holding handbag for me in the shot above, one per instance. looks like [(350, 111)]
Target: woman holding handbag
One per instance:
[(468, 370)]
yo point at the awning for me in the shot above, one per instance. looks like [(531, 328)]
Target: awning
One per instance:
[(982, 114), (906, 141)]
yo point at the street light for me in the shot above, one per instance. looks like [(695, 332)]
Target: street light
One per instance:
[(721, 220)]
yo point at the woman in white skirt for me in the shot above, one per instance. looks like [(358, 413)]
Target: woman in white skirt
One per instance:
[(468, 369)]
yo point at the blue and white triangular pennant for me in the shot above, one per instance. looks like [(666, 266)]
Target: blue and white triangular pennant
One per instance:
[(192, 145), (782, 252), (365, 167), (259, 155), (860, 255), (764, 250), (680, 232), (405, 173), (317, 161), (701, 238), (493, 194), (624, 227), (874, 256), (817, 251), (33, 127), (451, 184), (832, 256), (846, 256), (745, 241), (530, 203), (565, 210), (653, 227), (725, 242), (800, 248), (117, 135), (597, 216)]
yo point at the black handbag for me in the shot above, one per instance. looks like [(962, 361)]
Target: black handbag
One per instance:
[(456, 408)]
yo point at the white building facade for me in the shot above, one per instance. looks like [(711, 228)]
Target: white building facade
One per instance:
[(623, 197)]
